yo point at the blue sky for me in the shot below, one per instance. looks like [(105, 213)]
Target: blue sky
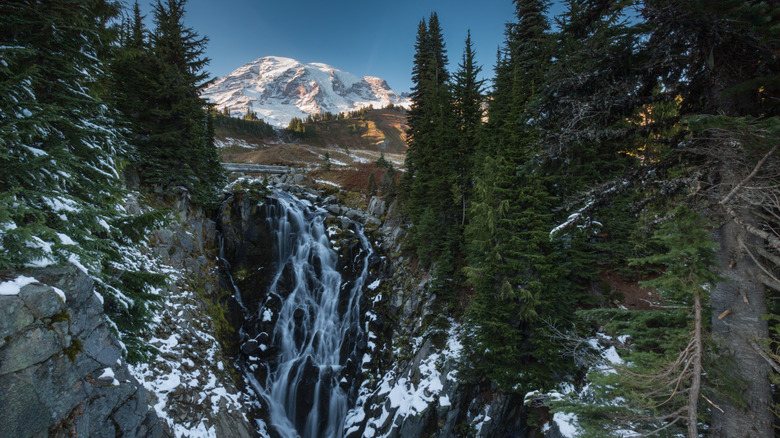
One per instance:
[(363, 37)]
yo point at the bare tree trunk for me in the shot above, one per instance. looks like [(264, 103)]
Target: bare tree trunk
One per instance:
[(693, 397), (742, 293)]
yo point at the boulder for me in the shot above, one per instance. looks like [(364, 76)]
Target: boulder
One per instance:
[(14, 315), (377, 207), (42, 300)]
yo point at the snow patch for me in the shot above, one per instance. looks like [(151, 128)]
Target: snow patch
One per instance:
[(567, 424), (14, 286), (330, 183)]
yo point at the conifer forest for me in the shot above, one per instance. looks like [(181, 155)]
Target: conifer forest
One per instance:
[(598, 212)]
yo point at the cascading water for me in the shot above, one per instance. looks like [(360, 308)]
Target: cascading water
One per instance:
[(318, 320)]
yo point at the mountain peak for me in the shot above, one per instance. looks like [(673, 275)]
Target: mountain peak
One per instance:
[(279, 88)]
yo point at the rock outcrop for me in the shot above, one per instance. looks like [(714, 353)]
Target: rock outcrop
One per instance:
[(61, 370), (191, 383)]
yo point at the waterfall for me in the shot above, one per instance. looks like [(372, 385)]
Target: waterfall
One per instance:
[(317, 325)]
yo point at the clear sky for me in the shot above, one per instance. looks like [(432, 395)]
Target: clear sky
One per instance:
[(363, 37)]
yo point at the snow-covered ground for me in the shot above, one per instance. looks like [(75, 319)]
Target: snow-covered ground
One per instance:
[(228, 142)]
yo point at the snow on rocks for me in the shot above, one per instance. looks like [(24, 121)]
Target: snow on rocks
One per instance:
[(189, 386), (605, 358), (187, 378), (404, 396), (567, 424), (14, 286)]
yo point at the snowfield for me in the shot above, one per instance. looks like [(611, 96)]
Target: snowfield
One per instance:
[(279, 89)]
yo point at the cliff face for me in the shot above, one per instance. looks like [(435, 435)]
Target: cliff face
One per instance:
[(61, 371), (410, 385), (60, 366), (191, 383)]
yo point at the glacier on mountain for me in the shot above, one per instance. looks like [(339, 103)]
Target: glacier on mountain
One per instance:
[(278, 89)]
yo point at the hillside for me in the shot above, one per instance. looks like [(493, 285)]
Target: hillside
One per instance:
[(361, 138)]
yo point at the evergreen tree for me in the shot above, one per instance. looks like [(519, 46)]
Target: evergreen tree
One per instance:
[(383, 163), (653, 95), (516, 270), (430, 159), (665, 384), (372, 187), (468, 100), (61, 151), (131, 75), (179, 152), (720, 57)]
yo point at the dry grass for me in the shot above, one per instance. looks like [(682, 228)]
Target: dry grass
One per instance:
[(354, 179)]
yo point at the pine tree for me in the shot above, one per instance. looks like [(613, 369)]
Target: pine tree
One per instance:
[(428, 182), (372, 187), (665, 384), (515, 269), (131, 78)]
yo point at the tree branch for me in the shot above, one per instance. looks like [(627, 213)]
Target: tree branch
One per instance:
[(771, 240), (764, 355), (760, 163)]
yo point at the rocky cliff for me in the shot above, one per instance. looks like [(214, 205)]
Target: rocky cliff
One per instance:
[(61, 370), (402, 378), (192, 382)]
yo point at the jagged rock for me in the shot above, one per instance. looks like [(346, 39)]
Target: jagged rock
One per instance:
[(304, 399), (34, 345), (22, 414), (376, 207), (14, 315), (554, 431), (250, 347), (41, 299), (101, 346), (355, 215), (51, 387)]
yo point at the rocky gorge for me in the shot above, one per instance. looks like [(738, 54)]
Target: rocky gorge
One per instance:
[(236, 355)]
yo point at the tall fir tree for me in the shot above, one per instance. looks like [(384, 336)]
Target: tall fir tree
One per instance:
[(468, 98), (515, 269), (179, 151), (131, 75), (430, 160)]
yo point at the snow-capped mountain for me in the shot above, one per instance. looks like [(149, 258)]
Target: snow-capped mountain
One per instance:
[(278, 89)]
